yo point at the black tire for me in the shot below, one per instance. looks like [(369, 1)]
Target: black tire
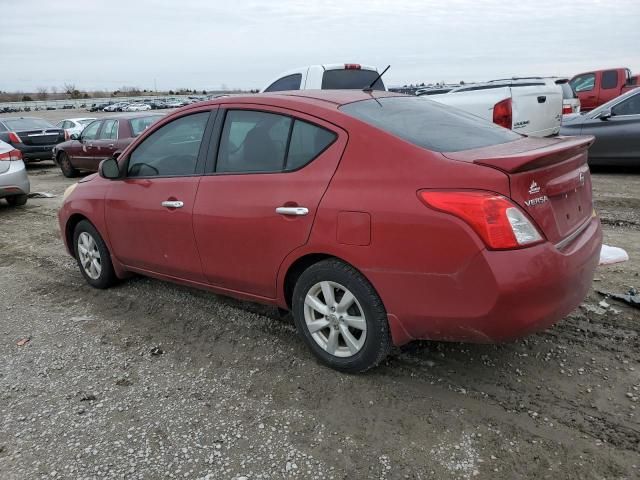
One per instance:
[(107, 276), (17, 200), (377, 342), (65, 165)]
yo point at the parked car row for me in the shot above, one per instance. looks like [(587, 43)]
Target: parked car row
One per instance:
[(143, 105)]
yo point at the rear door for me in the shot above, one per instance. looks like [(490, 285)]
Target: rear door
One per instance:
[(537, 108), (258, 202)]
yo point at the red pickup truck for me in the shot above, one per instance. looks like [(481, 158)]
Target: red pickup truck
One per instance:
[(599, 86)]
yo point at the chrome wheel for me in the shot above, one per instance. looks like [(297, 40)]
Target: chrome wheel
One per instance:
[(89, 255), (335, 319)]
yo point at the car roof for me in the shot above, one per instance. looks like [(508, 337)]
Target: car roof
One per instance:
[(128, 115)]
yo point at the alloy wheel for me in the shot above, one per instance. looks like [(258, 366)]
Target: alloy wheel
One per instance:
[(89, 255)]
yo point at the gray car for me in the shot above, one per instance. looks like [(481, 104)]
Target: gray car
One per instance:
[(616, 126), (14, 182)]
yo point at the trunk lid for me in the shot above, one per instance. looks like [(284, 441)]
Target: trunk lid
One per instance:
[(537, 109), (49, 136), (549, 179)]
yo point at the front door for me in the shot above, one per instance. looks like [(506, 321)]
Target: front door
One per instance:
[(83, 151), (259, 201), (149, 212), (106, 143)]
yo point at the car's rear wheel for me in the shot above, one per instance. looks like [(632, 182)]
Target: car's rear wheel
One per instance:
[(93, 256), (65, 165), (341, 317), (17, 200)]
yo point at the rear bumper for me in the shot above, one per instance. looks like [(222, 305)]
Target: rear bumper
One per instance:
[(498, 296), (14, 181), (35, 152)]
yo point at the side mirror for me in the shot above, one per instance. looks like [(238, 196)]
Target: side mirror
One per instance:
[(109, 169), (605, 115), (75, 136)]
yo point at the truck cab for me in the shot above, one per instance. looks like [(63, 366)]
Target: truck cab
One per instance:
[(599, 86), (338, 76)]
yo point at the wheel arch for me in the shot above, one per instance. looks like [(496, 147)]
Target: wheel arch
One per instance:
[(70, 227)]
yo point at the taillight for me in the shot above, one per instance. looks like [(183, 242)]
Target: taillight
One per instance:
[(66, 135), (567, 109), (14, 138), (497, 220), (11, 155), (351, 66), (502, 113)]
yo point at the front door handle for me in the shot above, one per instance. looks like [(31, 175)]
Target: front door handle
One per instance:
[(111, 145), (172, 204), (300, 211)]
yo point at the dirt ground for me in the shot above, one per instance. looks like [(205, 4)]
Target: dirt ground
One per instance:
[(152, 380)]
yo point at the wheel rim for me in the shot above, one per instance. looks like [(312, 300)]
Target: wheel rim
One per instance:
[(335, 319), (66, 164), (89, 255)]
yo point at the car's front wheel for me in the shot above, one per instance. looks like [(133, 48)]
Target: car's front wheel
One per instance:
[(341, 317), (93, 256), (17, 200), (65, 165)]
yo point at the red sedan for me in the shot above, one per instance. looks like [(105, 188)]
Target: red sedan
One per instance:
[(376, 218), (100, 139)]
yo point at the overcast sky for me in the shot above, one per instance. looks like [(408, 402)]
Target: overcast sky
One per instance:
[(241, 43)]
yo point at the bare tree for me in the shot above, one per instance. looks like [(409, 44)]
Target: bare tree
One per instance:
[(43, 93), (69, 88)]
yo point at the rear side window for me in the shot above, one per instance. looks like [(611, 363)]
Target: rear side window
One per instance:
[(290, 82), (109, 130), (172, 150), (428, 124), (263, 142), (609, 79), (584, 83), (139, 125), (350, 79)]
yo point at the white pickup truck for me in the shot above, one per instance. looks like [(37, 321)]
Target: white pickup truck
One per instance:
[(338, 76), (531, 106)]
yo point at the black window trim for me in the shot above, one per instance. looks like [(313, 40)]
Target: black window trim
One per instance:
[(200, 162), (212, 163)]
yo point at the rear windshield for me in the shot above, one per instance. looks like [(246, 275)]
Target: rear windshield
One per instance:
[(351, 79), (429, 124), (567, 91), (17, 124), (138, 125)]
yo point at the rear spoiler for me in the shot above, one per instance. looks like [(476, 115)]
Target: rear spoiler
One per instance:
[(535, 153), (566, 148)]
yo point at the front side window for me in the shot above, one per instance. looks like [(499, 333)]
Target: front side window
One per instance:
[(584, 83), (631, 106), (172, 150), (290, 82), (91, 132), (609, 79), (109, 130)]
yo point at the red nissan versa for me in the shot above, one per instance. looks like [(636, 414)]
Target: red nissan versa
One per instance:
[(376, 218)]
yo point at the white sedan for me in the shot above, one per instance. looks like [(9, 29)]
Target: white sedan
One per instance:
[(136, 107), (73, 125)]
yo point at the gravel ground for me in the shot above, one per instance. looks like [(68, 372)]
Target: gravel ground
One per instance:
[(151, 380)]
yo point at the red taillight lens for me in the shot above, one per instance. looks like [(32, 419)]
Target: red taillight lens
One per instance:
[(566, 109), (66, 135), (351, 66), (502, 113), (11, 155), (497, 220), (14, 138)]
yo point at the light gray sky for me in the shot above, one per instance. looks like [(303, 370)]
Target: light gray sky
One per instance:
[(243, 43)]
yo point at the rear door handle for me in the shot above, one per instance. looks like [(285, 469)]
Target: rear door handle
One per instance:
[(111, 145), (300, 211), (172, 204)]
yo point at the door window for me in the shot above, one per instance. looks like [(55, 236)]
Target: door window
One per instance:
[(91, 132), (584, 83), (253, 142), (290, 82), (307, 142), (631, 106), (172, 150), (109, 130), (609, 79)]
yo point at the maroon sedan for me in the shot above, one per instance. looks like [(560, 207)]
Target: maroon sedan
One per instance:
[(376, 218), (100, 139)]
